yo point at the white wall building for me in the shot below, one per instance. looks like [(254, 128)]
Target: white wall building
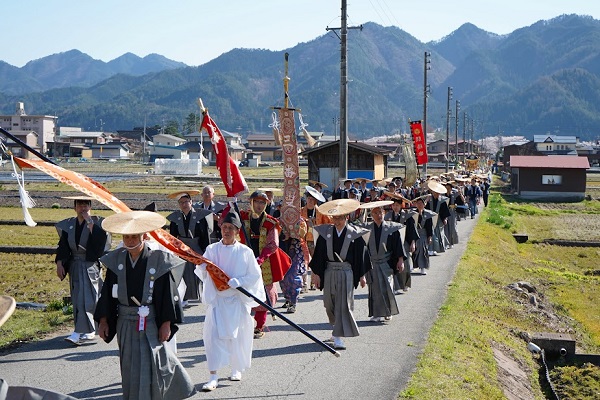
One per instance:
[(43, 125)]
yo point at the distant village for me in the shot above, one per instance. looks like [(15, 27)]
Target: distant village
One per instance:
[(147, 145)]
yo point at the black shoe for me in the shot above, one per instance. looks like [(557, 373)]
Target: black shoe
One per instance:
[(286, 304), (291, 309)]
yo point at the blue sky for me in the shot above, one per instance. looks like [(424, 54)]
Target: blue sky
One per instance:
[(196, 31)]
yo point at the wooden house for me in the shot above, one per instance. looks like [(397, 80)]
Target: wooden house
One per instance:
[(364, 161), (549, 178)]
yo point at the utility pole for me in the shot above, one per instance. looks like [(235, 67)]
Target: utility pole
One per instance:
[(456, 109), (343, 158), (448, 128), (464, 139), (472, 129), (426, 91)]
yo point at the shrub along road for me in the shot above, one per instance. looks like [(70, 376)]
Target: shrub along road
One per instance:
[(377, 364)]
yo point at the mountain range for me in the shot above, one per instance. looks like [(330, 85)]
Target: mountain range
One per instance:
[(544, 78)]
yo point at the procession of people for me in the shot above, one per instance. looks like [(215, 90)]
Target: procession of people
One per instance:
[(376, 237)]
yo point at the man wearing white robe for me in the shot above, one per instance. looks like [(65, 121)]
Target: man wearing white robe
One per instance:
[(228, 327)]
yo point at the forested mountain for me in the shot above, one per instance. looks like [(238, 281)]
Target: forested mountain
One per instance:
[(74, 68), (538, 79)]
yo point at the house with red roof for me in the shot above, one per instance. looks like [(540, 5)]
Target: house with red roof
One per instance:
[(549, 178)]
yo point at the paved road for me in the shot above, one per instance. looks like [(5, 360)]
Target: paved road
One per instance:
[(376, 365)]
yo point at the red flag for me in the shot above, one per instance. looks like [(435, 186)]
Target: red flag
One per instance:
[(234, 182), (419, 140)]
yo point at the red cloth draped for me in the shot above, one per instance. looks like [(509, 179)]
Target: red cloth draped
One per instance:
[(234, 182)]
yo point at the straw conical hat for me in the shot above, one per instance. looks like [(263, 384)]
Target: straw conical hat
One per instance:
[(315, 193), (437, 187), (181, 193), (133, 222), (339, 207), (313, 183), (78, 198), (268, 189), (7, 307), (375, 204), (396, 196)]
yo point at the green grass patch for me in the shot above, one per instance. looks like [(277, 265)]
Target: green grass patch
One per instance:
[(480, 312)]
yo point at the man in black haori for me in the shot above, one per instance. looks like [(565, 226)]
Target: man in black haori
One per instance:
[(339, 264), (407, 217), (208, 203), (140, 305), (193, 227), (387, 257), (82, 242), (438, 203), (420, 256), (455, 199)]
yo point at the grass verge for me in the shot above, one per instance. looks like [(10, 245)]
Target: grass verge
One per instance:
[(481, 314)]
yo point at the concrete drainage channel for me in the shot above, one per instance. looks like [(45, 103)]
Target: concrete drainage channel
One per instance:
[(558, 349)]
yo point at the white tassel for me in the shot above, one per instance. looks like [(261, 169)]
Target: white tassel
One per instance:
[(26, 200)]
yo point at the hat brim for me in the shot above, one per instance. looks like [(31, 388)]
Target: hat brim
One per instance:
[(269, 189), (181, 193), (133, 222), (315, 193), (376, 204), (397, 196), (436, 187), (7, 307), (83, 198), (318, 183), (339, 207)]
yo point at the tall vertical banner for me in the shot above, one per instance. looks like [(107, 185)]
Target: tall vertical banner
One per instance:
[(418, 136), (290, 209), (232, 178)]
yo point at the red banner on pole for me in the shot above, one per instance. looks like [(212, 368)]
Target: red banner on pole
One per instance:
[(418, 136), (232, 178)]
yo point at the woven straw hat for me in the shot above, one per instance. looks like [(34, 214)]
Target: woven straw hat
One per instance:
[(133, 222), (339, 207), (181, 193), (268, 190), (313, 183), (84, 198), (7, 307), (397, 196), (436, 187), (315, 193), (375, 204)]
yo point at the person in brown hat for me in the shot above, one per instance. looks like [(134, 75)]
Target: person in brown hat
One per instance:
[(193, 227), (82, 242), (340, 262), (387, 256), (228, 326), (139, 304)]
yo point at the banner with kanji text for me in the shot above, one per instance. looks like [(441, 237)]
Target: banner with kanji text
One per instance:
[(418, 136)]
